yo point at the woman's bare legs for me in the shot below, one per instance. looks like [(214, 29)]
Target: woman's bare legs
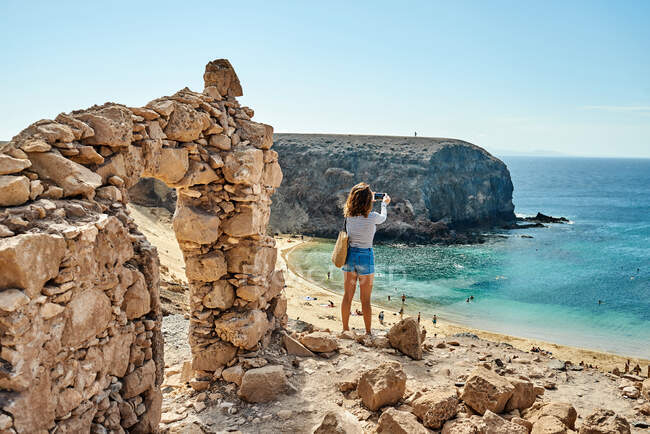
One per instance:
[(349, 286), (365, 286)]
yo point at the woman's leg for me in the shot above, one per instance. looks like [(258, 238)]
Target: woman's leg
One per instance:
[(365, 286), (349, 286)]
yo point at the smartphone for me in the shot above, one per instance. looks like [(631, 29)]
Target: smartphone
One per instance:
[(379, 196)]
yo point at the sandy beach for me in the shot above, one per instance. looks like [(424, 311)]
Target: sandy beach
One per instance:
[(322, 316)]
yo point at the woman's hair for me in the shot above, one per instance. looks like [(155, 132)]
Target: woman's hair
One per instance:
[(359, 201)]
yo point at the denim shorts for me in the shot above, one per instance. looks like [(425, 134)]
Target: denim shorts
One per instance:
[(360, 261)]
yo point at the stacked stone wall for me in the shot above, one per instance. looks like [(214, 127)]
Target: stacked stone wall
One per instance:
[(80, 319)]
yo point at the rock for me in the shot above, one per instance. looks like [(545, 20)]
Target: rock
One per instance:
[(486, 390), (72, 177), (399, 422), (137, 300), (338, 422), (9, 165), (564, 411), (222, 296), (220, 74), (523, 422), (213, 356), (469, 425), (383, 385), (244, 166), (243, 329), (14, 190), (206, 268), (28, 261), (87, 314), (603, 421), (295, 348), (631, 392), (185, 124), (405, 336), (233, 374), (263, 384), (645, 389), (320, 342), (498, 425), (250, 259), (558, 365), (549, 425), (435, 407), (140, 380), (111, 123), (272, 176), (523, 396), (191, 224), (220, 141), (12, 299), (50, 310), (260, 135), (249, 220), (197, 174), (170, 167)]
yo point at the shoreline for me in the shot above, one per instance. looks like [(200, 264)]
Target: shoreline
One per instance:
[(330, 318)]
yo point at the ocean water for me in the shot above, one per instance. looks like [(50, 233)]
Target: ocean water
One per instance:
[(545, 287)]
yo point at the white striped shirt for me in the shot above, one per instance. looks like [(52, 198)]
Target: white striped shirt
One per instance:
[(361, 230)]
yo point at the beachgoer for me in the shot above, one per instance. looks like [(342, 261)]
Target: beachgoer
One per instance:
[(328, 275), (418, 317), (331, 303), (471, 297), (600, 302), (403, 298), (401, 313), (467, 301), (360, 224), (381, 317), (435, 320), (389, 298), (358, 312)]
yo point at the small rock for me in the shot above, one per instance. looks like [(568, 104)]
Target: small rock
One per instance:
[(399, 422), (604, 421), (383, 385), (320, 342), (338, 422)]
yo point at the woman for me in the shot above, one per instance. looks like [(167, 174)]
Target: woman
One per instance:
[(360, 225)]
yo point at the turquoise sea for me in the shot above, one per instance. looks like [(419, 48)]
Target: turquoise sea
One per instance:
[(545, 287)]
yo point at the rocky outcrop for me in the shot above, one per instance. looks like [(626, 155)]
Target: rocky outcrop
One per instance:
[(80, 314), (435, 184)]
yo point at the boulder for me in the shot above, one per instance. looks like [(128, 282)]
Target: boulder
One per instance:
[(405, 336), (185, 124), (137, 300), (468, 425), (263, 384), (140, 380), (116, 353), (14, 190), (213, 356), (242, 329), (436, 407), (167, 164), (338, 422), (320, 342), (523, 396), (498, 425), (112, 124), (486, 390), (604, 421), (250, 292), (564, 411), (199, 173), (220, 74), (28, 261), (550, 425), (272, 175), (244, 166), (234, 374), (87, 314), (222, 296), (206, 268), (72, 177), (191, 224), (9, 165), (394, 421), (294, 347), (383, 385)]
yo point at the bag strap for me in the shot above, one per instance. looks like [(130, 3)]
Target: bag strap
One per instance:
[(345, 221)]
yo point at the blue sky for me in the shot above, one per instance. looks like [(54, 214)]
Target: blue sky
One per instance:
[(562, 76)]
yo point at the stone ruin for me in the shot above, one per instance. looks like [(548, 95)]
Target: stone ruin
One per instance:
[(80, 316)]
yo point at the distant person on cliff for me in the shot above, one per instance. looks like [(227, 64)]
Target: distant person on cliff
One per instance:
[(360, 224)]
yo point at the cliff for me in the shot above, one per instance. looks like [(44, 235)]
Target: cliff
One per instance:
[(436, 184)]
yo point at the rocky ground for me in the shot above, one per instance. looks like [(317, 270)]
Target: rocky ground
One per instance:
[(314, 384)]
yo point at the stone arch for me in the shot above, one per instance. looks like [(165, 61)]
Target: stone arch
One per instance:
[(80, 316)]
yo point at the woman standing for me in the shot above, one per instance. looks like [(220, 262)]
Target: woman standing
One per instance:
[(360, 224)]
